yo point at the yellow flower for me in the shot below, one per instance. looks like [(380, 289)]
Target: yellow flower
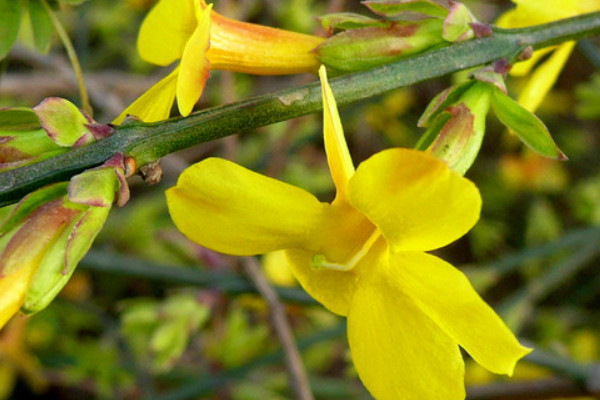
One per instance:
[(363, 256), (534, 12), (203, 39)]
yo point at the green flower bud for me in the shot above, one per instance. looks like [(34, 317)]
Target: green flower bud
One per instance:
[(50, 128), (48, 233), (455, 120)]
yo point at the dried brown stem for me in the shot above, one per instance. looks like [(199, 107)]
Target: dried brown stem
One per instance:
[(297, 375)]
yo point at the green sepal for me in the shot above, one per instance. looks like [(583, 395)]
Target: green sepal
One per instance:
[(95, 187), (41, 25), (346, 20), (360, 49), (18, 119), (529, 128), (457, 25), (59, 262), (435, 127), (10, 18), (440, 102), (31, 202), (63, 122), (393, 8)]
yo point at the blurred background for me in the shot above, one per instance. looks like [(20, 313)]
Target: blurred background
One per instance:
[(149, 314)]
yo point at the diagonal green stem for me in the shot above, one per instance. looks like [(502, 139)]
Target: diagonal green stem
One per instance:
[(148, 142)]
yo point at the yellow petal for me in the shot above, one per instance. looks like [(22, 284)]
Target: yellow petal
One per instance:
[(194, 67), (333, 289), (524, 67), (398, 351), (277, 269), (338, 156), (13, 288), (155, 104), (416, 201), (166, 30), (543, 78), (446, 296), (230, 209)]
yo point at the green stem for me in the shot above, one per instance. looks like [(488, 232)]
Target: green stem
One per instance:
[(149, 142), (66, 41)]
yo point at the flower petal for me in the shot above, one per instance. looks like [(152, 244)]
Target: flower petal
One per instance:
[(194, 67), (416, 201), (398, 351), (155, 104), (166, 30), (543, 78), (333, 289), (230, 209), (446, 296), (12, 290), (338, 156)]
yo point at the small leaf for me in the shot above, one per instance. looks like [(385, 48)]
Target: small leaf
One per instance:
[(41, 25), (529, 128), (73, 2), (393, 8), (345, 20), (95, 187), (10, 18)]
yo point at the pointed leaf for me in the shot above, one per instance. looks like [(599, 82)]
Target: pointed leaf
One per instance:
[(93, 187), (529, 128), (10, 18)]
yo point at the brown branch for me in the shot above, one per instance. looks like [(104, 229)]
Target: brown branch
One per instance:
[(297, 375)]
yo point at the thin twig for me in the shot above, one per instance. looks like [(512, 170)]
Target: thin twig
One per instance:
[(66, 41), (295, 369)]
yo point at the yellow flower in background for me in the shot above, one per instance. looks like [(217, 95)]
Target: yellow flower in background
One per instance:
[(363, 256), (535, 12), (189, 31)]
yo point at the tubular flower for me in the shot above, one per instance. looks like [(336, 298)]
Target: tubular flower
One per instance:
[(189, 31), (534, 12), (363, 256)]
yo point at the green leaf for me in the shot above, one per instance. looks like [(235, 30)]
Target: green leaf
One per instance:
[(529, 128), (41, 25), (392, 8), (457, 25), (10, 17)]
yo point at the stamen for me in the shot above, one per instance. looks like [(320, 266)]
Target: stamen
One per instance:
[(319, 261)]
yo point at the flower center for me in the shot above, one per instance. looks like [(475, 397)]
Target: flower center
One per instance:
[(319, 261)]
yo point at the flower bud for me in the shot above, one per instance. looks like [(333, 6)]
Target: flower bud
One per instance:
[(48, 233), (408, 27), (456, 120), (50, 128)]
